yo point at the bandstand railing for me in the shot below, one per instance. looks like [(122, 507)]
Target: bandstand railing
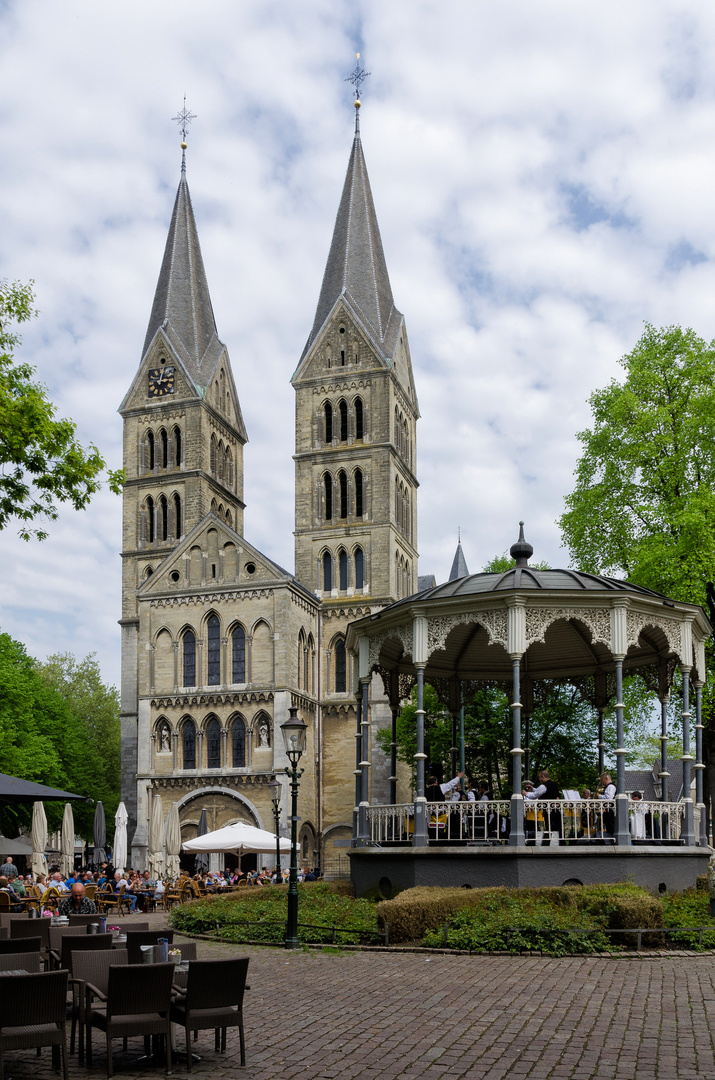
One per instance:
[(545, 821)]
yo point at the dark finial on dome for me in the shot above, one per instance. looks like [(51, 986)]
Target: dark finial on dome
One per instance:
[(521, 550)]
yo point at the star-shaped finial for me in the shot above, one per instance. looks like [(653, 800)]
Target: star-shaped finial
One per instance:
[(184, 118)]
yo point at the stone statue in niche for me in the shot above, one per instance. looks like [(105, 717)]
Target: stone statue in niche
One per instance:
[(164, 739), (263, 735)]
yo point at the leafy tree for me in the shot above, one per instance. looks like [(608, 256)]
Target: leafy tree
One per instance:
[(644, 501), (41, 462), (59, 725)]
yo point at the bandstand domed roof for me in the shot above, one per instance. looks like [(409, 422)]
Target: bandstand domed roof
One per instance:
[(524, 577)]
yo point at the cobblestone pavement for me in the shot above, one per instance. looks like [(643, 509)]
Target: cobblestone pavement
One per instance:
[(400, 1015)]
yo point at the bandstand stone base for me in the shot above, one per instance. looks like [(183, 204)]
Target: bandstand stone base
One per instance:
[(387, 871)]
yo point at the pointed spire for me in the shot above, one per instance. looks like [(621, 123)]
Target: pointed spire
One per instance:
[(182, 304), (522, 550), (356, 267), (459, 564)]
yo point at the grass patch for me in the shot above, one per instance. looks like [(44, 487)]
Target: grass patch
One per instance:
[(259, 914)]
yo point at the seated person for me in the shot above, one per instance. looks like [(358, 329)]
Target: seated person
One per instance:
[(7, 888), (128, 894), (77, 903)]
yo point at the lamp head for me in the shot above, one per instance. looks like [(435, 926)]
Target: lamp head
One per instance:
[(294, 732), (275, 791)]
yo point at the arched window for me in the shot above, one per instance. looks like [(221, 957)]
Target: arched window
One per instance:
[(212, 458), (220, 461), (359, 496), (150, 450), (343, 410), (328, 485), (213, 744), (359, 568), (328, 422), (229, 518), (229, 468), (301, 653), (188, 735), (163, 518), (189, 658), (327, 572), (343, 570), (359, 428), (340, 667), (343, 482), (309, 661), (177, 446), (213, 633), (238, 646), (150, 519), (238, 743), (397, 428), (164, 449), (177, 517)]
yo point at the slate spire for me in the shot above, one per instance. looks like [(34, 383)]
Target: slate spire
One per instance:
[(182, 304), (459, 564), (356, 267)]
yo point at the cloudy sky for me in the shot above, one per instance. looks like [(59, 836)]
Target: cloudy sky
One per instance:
[(543, 176)]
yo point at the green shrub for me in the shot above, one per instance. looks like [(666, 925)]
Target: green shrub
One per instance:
[(259, 914), (689, 908)]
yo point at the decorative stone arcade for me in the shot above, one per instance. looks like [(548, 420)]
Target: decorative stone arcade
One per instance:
[(513, 630)]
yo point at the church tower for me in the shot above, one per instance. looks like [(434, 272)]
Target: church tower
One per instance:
[(183, 448), (355, 478), (356, 415)]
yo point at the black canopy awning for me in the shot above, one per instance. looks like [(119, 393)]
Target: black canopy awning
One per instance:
[(14, 791)]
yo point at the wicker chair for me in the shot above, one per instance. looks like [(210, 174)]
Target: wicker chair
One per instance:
[(86, 943), (107, 900), (187, 950), (89, 891), (51, 898), (20, 945), (83, 920), (33, 1012), (213, 999), (56, 933), (89, 975), (30, 928), (21, 961), (137, 938), (138, 1002)]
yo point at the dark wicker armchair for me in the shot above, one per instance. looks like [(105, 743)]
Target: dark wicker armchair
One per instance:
[(15, 945), (29, 928), (138, 1002), (31, 962), (137, 938), (83, 943), (33, 1012), (213, 999), (90, 976)]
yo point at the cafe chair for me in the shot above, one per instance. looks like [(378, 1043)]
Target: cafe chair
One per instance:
[(138, 1002), (83, 920), (187, 950), (18, 945), (33, 1012), (86, 943), (213, 999), (89, 977), (56, 933), (31, 962), (137, 938), (108, 900), (30, 928)]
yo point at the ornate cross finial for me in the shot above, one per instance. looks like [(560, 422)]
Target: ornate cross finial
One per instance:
[(184, 118), (357, 78)]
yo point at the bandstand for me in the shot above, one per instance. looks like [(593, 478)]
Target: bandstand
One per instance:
[(514, 630)]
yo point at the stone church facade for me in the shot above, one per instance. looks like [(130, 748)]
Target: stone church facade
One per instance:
[(218, 641)]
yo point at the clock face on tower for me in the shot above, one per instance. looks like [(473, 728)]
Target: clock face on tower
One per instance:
[(161, 381)]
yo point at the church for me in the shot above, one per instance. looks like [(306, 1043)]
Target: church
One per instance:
[(218, 641)]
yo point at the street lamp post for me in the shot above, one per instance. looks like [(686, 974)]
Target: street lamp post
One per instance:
[(294, 731), (276, 800)]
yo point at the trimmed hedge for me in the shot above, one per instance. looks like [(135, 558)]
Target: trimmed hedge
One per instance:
[(416, 912)]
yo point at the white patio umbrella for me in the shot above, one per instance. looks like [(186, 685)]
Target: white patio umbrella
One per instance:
[(173, 842), (239, 837), (119, 850), (39, 839), (156, 839), (67, 842)]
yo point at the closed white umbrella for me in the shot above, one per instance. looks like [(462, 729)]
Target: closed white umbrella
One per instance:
[(39, 839), (67, 842), (173, 842), (156, 839), (239, 837), (119, 851)]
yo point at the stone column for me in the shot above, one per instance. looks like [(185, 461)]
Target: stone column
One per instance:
[(419, 837), (623, 835), (664, 774), (358, 758), (516, 647), (363, 827), (601, 743), (394, 710)]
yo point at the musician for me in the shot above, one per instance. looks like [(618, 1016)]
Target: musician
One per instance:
[(608, 791), (547, 789)]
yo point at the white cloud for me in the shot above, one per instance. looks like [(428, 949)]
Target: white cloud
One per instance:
[(542, 181)]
